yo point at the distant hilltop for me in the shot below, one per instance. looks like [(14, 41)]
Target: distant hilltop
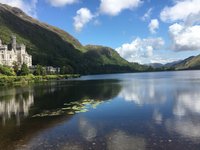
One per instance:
[(14, 53)]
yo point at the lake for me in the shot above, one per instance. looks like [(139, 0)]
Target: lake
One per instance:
[(138, 111)]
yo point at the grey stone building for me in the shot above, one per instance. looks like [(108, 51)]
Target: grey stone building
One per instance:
[(14, 53)]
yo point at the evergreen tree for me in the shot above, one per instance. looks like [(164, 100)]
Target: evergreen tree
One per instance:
[(24, 70), (40, 70), (66, 70)]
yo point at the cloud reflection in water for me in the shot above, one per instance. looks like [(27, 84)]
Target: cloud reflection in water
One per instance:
[(143, 93), (120, 140)]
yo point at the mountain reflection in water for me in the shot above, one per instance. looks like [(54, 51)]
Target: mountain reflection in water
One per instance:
[(114, 112)]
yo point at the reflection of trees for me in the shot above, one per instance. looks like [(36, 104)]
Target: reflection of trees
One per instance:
[(74, 91), (15, 102), (47, 96)]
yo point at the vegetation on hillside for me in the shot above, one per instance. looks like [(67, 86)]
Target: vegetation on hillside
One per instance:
[(51, 46), (189, 63)]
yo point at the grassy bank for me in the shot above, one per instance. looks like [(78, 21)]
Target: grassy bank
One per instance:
[(11, 80)]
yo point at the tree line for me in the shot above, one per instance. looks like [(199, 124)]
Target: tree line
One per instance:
[(39, 70)]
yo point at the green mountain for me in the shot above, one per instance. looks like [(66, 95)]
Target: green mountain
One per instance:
[(54, 47), (190, 63)]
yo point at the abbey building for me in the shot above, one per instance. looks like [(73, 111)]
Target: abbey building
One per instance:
[(14, 53)]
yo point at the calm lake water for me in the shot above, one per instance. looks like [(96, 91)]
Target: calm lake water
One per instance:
[(158, 111)]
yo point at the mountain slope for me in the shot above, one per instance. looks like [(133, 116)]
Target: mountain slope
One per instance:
[(46, 47), (54, 47), (156, 65), (172, 64), (192, 62)]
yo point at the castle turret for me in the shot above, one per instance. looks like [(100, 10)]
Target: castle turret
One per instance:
[(0, 42), (14, 43)]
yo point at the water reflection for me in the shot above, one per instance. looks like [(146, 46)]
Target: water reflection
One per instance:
[(140, 92), (157, 116), (70, 91), (186, 112), (31, 100), (139, 113), (187, 102), (189, 128), (175, 103), (120, 140), (87, 130), (15, 103)]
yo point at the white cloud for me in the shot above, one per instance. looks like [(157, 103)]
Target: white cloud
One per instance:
[(159, 59), (114, 7), (83, 16), (61, 3), (139, 50), (153, 25), (181, 10), (147, 15), (27, 7), (185, 37)]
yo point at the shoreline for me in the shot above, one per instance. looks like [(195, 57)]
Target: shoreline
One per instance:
[(16, 80)]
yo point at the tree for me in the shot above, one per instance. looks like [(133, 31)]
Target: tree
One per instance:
[(16, 67), (40, 70), (24, 70), (66, 70)]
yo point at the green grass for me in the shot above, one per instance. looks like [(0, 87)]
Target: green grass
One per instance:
[(12, 80)]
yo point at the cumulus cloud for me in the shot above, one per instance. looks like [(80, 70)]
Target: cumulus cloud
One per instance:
[(83, 16), (61, 3), (147, 15), (140, 49), (153, 25), (114, 7), (180, 11), (27, 7), (185, 37)]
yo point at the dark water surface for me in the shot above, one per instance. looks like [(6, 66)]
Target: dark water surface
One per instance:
[(140, 111)]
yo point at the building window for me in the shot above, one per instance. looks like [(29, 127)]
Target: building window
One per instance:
[(10, 56), (2, 56)]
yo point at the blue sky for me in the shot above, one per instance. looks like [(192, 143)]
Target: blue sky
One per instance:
[(144, 31)]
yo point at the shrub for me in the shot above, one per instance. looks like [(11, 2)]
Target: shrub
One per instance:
[(5, 70)]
